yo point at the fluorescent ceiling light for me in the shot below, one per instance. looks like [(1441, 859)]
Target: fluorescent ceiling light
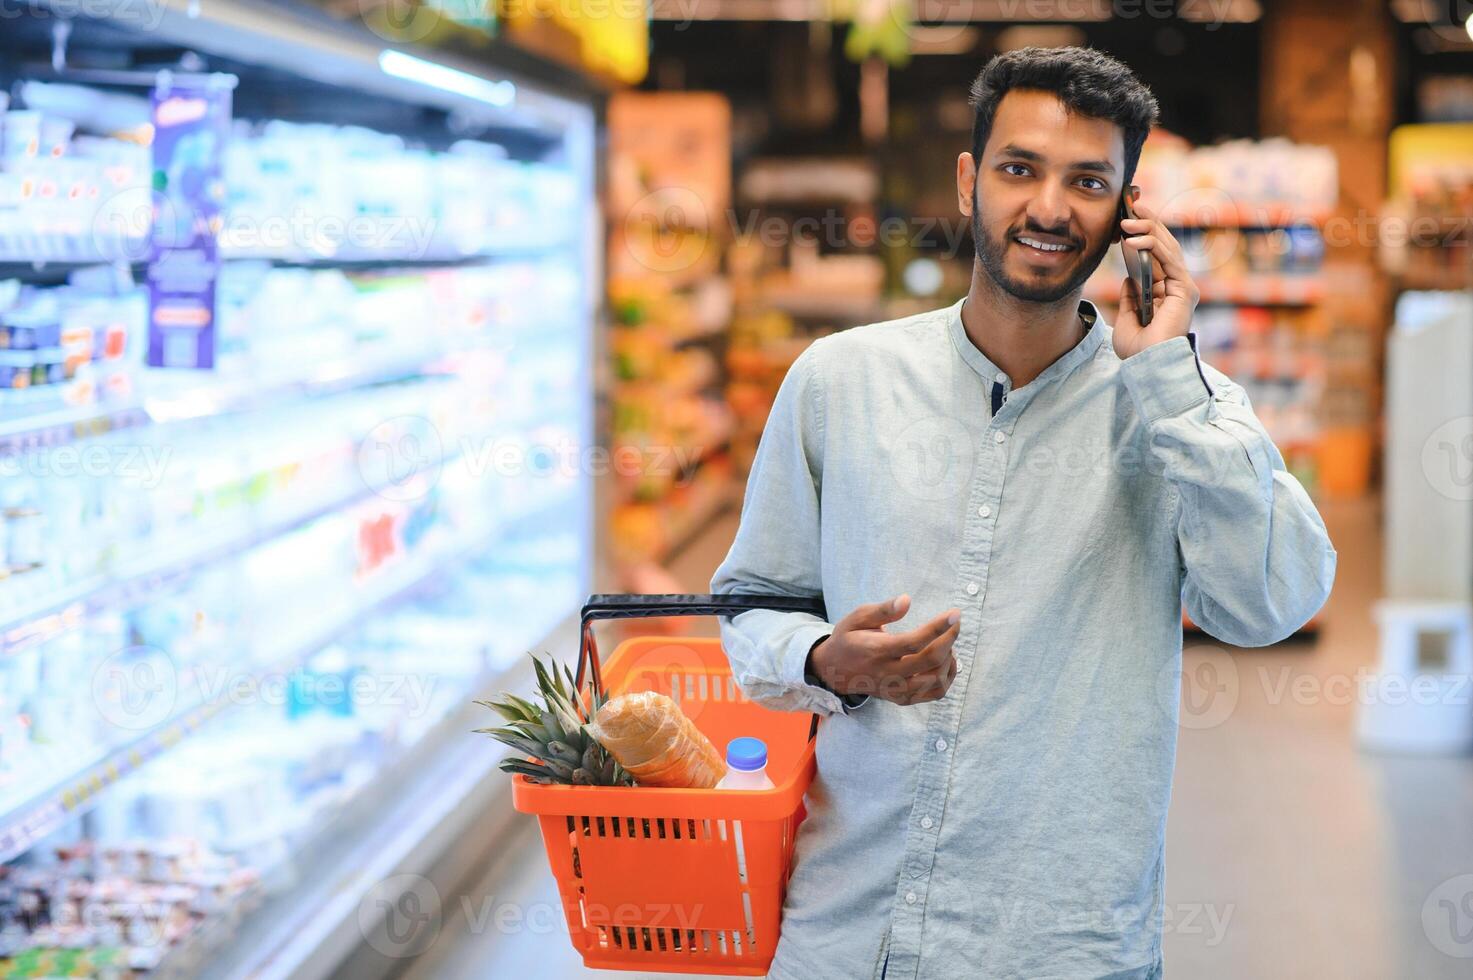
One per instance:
[(401, 65)]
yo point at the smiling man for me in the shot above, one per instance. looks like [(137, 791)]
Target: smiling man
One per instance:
[(1004, 504)]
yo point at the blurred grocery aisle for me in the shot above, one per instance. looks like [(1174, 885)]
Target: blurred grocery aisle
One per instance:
[(346, 346)]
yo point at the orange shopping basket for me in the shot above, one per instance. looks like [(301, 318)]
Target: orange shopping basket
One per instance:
[(678, 880)]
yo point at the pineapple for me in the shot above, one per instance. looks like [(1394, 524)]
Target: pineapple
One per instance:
[(558, 747)]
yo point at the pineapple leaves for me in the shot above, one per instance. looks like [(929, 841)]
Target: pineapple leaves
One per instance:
[(553, 735)]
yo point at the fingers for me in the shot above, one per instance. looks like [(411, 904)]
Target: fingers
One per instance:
[(929, 687), (1145, 232), (932, 656), (929, 672), (875, 614), (909, 667), (1163, 256), (918, 638)]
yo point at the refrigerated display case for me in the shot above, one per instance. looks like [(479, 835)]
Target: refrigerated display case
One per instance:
[(245, 607)]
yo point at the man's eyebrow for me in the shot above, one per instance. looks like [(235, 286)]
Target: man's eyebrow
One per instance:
[(1019, 153)]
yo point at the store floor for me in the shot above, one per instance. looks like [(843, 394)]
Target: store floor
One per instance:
[(1290, 854)]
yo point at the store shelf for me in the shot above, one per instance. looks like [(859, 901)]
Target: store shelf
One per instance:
[(308, 43), (29, 822), (66, 252), (691, 525), (441, 794), (1264, 290), (61, 609), (371, 258), (1268, 214), (848, 309), (717, 336), (1255, 290), (1435, 280), (168, 396), (58, 260)]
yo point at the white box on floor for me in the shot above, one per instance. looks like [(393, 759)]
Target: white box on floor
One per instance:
[(1419, 698)]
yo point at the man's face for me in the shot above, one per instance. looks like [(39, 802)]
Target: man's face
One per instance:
[(1044, 196)]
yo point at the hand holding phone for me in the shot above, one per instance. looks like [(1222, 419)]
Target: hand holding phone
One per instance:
[(1137, 262), (1158, 296)]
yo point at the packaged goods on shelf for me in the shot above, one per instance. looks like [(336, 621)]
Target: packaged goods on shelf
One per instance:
[(1248, 216), (655, 531), (1279, 359), (258, 785), (116, 910), (669, 189), (1431, 202), (667, 419), (250, 621), (1240, 182), (320, 192), (71, 198), (285, 320), (70, 344)]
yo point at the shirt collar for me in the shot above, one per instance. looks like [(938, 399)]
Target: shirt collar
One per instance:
[(991, 373)]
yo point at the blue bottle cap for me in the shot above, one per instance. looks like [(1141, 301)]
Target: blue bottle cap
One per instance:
[(746, 754)]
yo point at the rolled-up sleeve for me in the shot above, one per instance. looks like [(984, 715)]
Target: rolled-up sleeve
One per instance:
[(776, 552), (1257, 562)]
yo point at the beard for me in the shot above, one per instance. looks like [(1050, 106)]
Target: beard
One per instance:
[(991, 252)]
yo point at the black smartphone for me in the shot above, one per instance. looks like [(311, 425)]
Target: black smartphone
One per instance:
[(1140, 272)]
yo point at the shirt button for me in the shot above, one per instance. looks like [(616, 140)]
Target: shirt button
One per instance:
[(973, 588), (984, 511), (910, 898), (1000, 377), (941, 745), (927, 823), (999, 437)]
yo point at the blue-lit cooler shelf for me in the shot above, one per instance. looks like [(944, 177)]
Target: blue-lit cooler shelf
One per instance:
[(173, 561), (166, 396), (369, 480), (32, 820)]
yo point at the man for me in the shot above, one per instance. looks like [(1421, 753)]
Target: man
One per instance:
[(1004, 504)]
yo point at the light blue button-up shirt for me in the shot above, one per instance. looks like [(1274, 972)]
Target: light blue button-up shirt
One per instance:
[(1015, 827)]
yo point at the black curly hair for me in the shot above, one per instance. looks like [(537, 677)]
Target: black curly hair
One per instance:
[(1087, 81)]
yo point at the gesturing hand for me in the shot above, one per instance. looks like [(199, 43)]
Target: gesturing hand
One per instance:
[(859, 657)]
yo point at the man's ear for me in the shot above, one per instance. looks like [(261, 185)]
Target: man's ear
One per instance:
[(966, 179)]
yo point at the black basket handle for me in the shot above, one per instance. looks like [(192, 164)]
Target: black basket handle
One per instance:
[(637, 606)]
